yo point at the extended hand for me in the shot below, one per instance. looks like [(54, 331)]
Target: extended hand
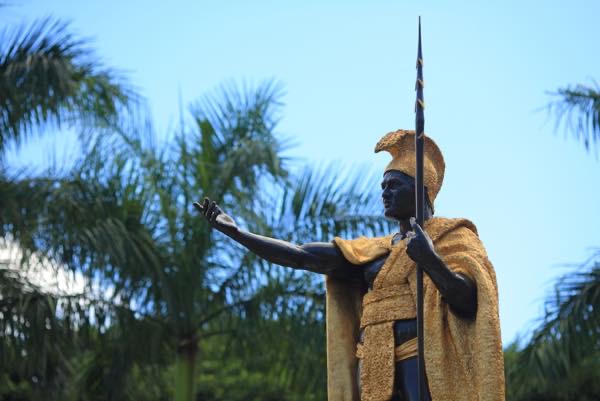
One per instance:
[(215, 216), (419, 246)]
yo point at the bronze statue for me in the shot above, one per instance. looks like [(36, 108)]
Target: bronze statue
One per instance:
[(371, 290)]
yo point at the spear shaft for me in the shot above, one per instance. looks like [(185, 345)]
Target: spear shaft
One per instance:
[(420, 209)]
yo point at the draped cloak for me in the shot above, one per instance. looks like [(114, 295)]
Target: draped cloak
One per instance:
[(463, 357)]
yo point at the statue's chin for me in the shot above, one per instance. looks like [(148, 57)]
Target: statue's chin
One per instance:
[(390, 214)]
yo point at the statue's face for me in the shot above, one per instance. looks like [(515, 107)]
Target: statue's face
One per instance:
[(398, 195)]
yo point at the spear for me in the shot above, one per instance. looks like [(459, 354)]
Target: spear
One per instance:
[(420, 206)]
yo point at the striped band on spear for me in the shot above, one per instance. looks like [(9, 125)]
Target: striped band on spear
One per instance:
[(420, 209)]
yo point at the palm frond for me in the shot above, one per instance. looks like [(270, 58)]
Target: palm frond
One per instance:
[(94, 220), (577, 108), (48, 76), (570, 331), (331, 200), (236, 137)]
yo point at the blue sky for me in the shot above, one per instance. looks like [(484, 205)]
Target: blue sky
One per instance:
[(348, 71)]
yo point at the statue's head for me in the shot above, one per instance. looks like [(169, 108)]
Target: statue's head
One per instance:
[(402, 169), (398, 195)]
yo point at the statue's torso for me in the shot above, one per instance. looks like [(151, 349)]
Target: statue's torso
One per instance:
[(371, 269), (405, 329)]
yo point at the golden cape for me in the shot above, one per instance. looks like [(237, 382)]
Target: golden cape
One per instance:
[(463, 358)]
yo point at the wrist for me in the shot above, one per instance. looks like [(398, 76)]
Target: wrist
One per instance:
[(431, 260), (230, 231)]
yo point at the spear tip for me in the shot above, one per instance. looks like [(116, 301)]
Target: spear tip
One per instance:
[(419, 52)]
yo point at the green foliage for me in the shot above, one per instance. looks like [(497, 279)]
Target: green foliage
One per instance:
[(58, 346), (572, 317), (109, 368), (280, 359), (562, 359), (33, 338), (48, 76), (123, 217), (160, 282)]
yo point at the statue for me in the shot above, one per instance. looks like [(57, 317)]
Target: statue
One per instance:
[(371, 293), (393, 334)]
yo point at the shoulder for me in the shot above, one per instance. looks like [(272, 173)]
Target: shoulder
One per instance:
[(439, 227), (363, 249), (453, 236)]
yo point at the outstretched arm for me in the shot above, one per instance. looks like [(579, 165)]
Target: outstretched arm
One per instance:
[(319, 257)]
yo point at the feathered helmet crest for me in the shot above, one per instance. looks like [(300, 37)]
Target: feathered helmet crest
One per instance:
[(401, 145)]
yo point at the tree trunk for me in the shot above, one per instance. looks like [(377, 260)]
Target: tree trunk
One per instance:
[(185, 370)]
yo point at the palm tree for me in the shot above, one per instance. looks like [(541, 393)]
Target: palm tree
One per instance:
[(561, 359), (48, 76), (124, 218), (560, 362)]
